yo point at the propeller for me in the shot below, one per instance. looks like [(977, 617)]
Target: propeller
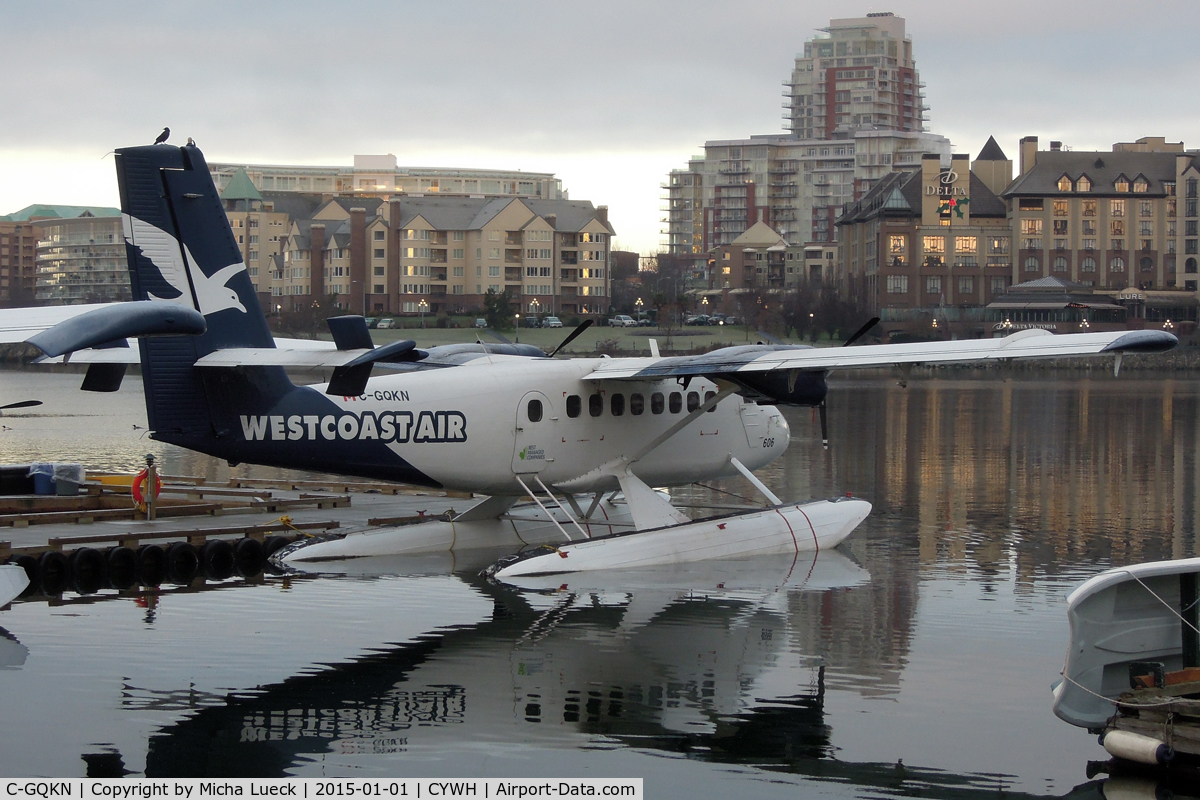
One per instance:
[(497, 336), (822, 409), (22, 404), (587, 323), (858, 334)]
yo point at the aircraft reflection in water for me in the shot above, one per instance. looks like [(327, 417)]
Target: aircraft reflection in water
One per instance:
[(711, 661), (670, 667), (12, 652)]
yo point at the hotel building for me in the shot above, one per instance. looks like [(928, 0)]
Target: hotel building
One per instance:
[(1125, 219)]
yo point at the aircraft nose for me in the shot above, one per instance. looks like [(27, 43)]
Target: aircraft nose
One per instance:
[(780, 430)]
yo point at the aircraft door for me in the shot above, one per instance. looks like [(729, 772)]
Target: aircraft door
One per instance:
[(534, 436)]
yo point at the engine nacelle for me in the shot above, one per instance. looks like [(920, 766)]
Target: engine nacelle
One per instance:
[(783, 387)]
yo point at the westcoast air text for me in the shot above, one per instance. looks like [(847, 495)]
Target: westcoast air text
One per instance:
[(387, 426)]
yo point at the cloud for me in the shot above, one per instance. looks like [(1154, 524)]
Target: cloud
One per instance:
[(543, 85)]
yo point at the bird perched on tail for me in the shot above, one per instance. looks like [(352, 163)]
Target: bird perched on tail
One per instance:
[(162, 137)]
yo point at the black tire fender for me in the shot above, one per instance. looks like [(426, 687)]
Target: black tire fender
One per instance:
[(182, 563)]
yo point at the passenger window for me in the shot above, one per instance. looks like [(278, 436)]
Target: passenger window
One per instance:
[(637, 404), (709, 396), (656, 403), (535, 410), (617, 404), (596, 404), (676, 402), (574, 406), (693, 401)]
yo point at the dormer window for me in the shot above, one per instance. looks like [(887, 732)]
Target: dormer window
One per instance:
[(1064, 184), (1084, 184), (1121, 184), (1141, 185)]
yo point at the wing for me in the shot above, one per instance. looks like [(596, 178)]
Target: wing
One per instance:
[(730, 362), (19, 324)]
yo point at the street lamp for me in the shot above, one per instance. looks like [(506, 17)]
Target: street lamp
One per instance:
[(534, 307), (422, 307), (638, 305)]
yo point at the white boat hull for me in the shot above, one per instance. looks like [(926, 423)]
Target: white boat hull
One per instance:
[(786, 529), (1118, 617), (13, 581)]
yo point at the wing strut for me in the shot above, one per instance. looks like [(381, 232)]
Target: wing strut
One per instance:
[(762, 487)]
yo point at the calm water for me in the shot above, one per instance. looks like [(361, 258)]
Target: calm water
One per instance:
[(931, 637)]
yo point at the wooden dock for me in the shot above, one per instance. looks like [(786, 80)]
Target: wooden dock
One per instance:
[(197, 535)]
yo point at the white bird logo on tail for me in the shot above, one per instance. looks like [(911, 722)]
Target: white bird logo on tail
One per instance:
[(162, 249)]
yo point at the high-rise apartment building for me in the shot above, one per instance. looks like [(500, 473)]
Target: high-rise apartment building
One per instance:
[(860, 73), (855, 114), (82, 260)]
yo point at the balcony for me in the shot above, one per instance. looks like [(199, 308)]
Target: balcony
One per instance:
[(568, 275), (437, 275), (512, 256), (513, 238), (512, 274), (568, 257), (437, 256)]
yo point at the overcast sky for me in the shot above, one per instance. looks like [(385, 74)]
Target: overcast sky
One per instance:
[(609, 96)]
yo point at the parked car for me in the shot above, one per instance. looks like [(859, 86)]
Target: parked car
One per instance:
[(480, 323), (386, 323), (645, 322), (698, 319), (622, 321), (372, 322), (551, 322)]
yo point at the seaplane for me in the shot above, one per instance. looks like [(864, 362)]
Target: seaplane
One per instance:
[(593, 442)]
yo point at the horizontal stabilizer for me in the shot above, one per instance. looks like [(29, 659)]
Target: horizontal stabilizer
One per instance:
[(350, 332), (108, 323)]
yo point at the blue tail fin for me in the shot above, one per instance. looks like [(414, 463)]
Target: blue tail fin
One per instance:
[(181, 249)]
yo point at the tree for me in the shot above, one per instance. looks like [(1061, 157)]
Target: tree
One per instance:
[(497, 309)]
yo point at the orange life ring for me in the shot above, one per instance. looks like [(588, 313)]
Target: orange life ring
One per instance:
[(139, 482)]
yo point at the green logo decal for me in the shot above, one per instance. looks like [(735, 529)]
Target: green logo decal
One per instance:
[(522, 453)]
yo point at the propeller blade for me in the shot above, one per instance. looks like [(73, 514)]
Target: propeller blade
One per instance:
[(824, 426), (766, 337), (858, 334), (587, 323), (22, 404), (497, 336)]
